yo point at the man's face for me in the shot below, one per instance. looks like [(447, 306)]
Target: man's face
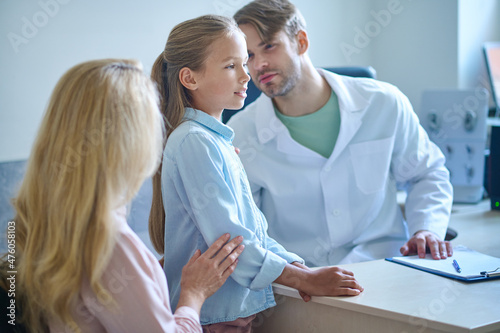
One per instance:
[(273, 66)]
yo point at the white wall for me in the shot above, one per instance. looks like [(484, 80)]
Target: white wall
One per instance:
[(479, 22), (416, 49), (73, 31)]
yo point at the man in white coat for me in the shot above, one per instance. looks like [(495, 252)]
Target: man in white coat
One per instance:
[(326, 153)]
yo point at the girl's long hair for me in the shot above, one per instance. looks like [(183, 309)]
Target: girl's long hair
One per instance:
[(101, 136), (188, 45)]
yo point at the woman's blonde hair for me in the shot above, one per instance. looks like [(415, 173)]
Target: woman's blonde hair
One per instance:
[(188, 45), (101, 136)]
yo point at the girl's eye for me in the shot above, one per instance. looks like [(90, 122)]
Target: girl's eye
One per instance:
[(268, 46), (250, 56), (230, 66)]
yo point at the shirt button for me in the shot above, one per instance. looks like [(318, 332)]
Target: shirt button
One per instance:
[(336, 212), (327, 168)]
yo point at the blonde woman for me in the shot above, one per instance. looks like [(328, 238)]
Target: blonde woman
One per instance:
[(80, 268)]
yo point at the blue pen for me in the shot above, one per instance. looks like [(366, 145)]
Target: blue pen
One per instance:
[(457, 267)]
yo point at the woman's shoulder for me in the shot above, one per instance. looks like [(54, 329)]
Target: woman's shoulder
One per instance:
[(129, 249), (135, 281)]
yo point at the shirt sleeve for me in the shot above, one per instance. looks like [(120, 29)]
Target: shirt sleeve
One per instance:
[(279, 250), (208, 181), (247, 150), (419, 164), (256, 193), (138, 286)]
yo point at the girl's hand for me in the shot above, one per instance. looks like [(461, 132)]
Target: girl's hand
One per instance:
[(205, 273), (332, 281), (324, 281)]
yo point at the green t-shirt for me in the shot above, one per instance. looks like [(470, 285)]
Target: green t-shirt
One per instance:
[(317, 131)]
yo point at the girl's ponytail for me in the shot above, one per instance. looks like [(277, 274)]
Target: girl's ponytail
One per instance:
[(156, 225)]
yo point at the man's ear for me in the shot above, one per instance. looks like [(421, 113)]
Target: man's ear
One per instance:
[(188, 78), (302, 42)]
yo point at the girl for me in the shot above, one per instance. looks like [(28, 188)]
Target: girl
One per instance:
[(79, 265), (205, 190)]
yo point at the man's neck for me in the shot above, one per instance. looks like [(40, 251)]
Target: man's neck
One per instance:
[(309, 95)]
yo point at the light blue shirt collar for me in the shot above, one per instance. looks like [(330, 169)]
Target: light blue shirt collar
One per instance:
[(210, 122)]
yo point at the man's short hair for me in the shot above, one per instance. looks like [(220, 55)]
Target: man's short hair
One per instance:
[(269, 17)]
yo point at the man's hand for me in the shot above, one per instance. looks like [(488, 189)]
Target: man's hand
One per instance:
[(423, 240)]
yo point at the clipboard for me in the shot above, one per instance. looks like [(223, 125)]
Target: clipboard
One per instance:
[(474, 266)]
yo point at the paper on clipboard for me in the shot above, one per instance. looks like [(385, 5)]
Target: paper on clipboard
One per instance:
[(472, 263)]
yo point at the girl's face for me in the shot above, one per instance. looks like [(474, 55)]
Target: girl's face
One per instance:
[(222, 84)]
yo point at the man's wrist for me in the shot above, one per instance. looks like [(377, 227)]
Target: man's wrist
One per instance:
[(424, 230)]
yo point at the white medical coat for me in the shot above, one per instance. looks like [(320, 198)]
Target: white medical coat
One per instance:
[(343, 209)]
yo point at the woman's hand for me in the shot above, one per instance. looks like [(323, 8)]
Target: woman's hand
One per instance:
[(205, 273)]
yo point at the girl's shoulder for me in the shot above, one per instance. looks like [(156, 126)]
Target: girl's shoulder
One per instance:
[(185, 129), (191, 133)]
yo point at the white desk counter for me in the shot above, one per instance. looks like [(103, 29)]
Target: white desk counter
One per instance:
[(401, 299), (478, 227)]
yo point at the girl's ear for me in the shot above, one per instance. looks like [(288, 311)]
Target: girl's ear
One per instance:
[(187, 78), (302, 42)]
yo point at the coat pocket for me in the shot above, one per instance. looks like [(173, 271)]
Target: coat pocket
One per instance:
[(371, 161)]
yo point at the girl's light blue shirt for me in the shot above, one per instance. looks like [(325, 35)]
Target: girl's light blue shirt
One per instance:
[(206, 194)]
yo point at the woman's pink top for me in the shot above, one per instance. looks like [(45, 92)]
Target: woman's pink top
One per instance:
[(138, 285)]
